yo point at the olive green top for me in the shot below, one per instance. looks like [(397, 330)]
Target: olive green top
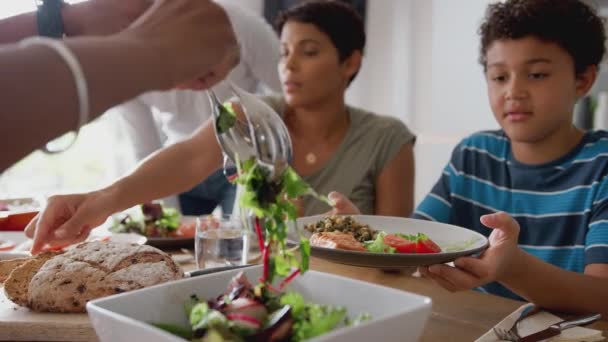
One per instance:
[(371, 142)]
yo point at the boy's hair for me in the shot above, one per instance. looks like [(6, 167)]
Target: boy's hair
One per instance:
[(338, 20), (571, 24)]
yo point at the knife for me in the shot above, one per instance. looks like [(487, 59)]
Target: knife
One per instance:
[(215, 270), (557, 328)]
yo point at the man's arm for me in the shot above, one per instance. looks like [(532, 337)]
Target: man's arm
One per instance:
[(38, 101), (94, 17), (36, 112)]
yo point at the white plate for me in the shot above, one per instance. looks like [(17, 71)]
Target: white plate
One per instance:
[(158, 242), (396, 315), (22, 242), (103, 234), (454, 241)]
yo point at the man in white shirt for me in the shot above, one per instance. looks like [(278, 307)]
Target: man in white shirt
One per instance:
[(158, 119)]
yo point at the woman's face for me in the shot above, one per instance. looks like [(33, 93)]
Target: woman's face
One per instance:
[(310, 68)]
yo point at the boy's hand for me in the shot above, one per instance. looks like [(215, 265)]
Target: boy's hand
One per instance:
[(342, 205), (498, 262)]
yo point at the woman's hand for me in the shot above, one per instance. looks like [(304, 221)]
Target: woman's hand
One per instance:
[(342, 205), (497, 263), (68, 219)]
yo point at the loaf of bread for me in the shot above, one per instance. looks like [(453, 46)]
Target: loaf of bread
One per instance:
[(7, 266), (66, 282)]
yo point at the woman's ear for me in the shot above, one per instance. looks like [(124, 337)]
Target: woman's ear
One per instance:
[(585, 80), (352, 64)]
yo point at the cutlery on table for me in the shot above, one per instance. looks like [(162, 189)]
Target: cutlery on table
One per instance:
[(215, 270), (512, 333), (557, 328)]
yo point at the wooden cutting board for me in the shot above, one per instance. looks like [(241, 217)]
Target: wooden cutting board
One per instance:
[(20, 324)]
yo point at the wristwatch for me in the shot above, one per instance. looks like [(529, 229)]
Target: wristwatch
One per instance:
[(50, 21)]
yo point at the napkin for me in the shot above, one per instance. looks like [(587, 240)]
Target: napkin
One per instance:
[(540, 321)]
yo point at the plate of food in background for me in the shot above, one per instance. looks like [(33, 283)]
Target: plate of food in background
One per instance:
[(387, 242), (163, 227)]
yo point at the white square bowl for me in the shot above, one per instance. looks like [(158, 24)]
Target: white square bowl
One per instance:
[(396, 315)]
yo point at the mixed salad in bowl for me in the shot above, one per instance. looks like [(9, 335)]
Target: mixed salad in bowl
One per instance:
[(258, 313)]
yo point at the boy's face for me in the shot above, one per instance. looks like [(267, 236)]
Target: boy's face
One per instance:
[(532, 88)]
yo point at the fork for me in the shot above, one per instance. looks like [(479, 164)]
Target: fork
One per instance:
[(258, 132), (512, 333)]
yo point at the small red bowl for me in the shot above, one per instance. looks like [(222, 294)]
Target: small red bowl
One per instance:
[(17, 221)]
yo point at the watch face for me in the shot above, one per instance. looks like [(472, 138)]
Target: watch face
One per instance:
[(50, 21)]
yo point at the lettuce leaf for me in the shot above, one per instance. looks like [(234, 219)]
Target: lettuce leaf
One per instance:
[(378, 245), (226, 118), (311, 320)]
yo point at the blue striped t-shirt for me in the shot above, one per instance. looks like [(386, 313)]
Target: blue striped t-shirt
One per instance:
[(561, 206)]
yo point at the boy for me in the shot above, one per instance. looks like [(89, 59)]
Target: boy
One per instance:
[(539, 183)]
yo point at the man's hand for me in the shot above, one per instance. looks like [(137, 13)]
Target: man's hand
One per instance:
[(498, 262), (102, 17), (194, 40)]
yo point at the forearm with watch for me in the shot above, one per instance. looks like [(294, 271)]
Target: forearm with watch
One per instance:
[(52, 17)]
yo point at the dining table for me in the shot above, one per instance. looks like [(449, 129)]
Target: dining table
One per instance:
[(455, 316), (459, 316)]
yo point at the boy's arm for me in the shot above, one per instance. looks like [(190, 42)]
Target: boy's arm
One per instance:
[(585, 292), (538, 281), (555, 288)]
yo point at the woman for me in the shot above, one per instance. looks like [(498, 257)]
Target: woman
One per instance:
[(366, 156), (337, 147)]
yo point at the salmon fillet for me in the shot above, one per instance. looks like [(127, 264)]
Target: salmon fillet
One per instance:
[(336, 240)]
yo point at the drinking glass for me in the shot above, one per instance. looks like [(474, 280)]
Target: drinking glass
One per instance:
[(220, 242)]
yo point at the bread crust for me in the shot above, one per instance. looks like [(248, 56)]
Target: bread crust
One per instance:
[(7, 266), (90, 270)]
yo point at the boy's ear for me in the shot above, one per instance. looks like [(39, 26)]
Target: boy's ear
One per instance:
[(585, 80)]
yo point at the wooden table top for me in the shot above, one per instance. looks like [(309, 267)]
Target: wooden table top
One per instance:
[(461, 316)]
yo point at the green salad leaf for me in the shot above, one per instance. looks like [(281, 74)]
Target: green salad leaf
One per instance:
[(378, 245), (311, 320), (273, 202), (203, 317), (226, 118), (149, 219), (183, 332), (170, 219)]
